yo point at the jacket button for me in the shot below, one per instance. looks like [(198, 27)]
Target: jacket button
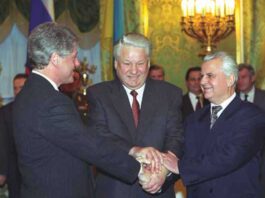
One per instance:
[(211, 190)]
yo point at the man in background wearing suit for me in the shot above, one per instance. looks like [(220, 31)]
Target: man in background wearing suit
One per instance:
[(54, 146), (193, 99), (223, 141), (7, 146), (157, 123), (246, 86), (156, 72), (248, 92)]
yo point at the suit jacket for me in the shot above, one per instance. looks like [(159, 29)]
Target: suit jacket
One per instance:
[(223, 161), (259, 99), (3, 144), (186, 107), (12, 172), (159, 126), (54, 146)]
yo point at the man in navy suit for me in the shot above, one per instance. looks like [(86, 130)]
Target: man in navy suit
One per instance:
[(248, 91), (158, 125), (222, 145), (54, 146), (7, 145)]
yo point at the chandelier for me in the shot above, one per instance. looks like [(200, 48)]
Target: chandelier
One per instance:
[(208, 21)]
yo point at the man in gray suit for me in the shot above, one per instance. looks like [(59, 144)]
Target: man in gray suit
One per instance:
[(246, 86), (157, 124), (248, 92)]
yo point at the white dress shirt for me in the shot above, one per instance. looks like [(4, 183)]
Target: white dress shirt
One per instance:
[(194, 100), (250, 94), (139, 97), (224, 104)]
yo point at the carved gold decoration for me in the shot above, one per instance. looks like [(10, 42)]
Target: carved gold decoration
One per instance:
[(85, 70)]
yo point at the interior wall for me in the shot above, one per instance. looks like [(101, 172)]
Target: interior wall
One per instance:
[(172, 49)]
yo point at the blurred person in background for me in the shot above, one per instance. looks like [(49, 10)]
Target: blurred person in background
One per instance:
[(193, 100), (8, 154), (156, 72)]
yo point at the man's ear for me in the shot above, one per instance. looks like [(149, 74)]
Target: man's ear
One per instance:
[(253, 78), (230, 80), (115, 64), (55, 59)]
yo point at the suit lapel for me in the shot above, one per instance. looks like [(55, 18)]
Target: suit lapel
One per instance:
[(148, 108), (204, 119), (187, 103), (228, 112), (122, 106)]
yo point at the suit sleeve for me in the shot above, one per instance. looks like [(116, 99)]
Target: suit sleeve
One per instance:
[(61, 125), (3, 143), (174, 127), (97, 118), (242, 144), (174, 133)]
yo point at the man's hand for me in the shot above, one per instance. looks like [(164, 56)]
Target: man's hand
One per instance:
[(171, 162), (2, 180), (152, 181), (148, 155)]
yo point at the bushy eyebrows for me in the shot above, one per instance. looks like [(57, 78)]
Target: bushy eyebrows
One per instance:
[(209, 74), (129, 61)]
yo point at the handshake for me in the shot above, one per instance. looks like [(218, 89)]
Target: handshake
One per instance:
[(155, 167)]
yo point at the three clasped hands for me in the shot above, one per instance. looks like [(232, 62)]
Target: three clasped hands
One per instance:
[(156, 166)]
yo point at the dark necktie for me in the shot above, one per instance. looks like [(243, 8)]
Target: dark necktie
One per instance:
[(246, 98), (215, 110), (135, 108), (198, 104)]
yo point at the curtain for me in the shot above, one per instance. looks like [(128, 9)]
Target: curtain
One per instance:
[(12, 58), (14, 16), (253, 33), (117, 17), (106, 38)]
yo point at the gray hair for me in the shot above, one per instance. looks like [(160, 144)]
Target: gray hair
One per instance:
[(135, 40), (48, 38), (229, 66), (248, 67)]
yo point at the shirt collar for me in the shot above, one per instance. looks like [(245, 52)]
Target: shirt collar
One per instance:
[(140, 91), (250, 94), (224, 104), (47, 78), (192, 95)]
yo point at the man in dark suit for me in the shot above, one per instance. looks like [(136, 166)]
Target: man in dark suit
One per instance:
[(247, 91), (54, 146), (246, 86), (222, 145), (9, 161), (156, 72), (158, 125), (193, 99)]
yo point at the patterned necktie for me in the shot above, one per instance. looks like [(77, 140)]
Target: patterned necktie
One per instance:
[(215, 110), (198, 104), (246, 98), (135, 108)]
